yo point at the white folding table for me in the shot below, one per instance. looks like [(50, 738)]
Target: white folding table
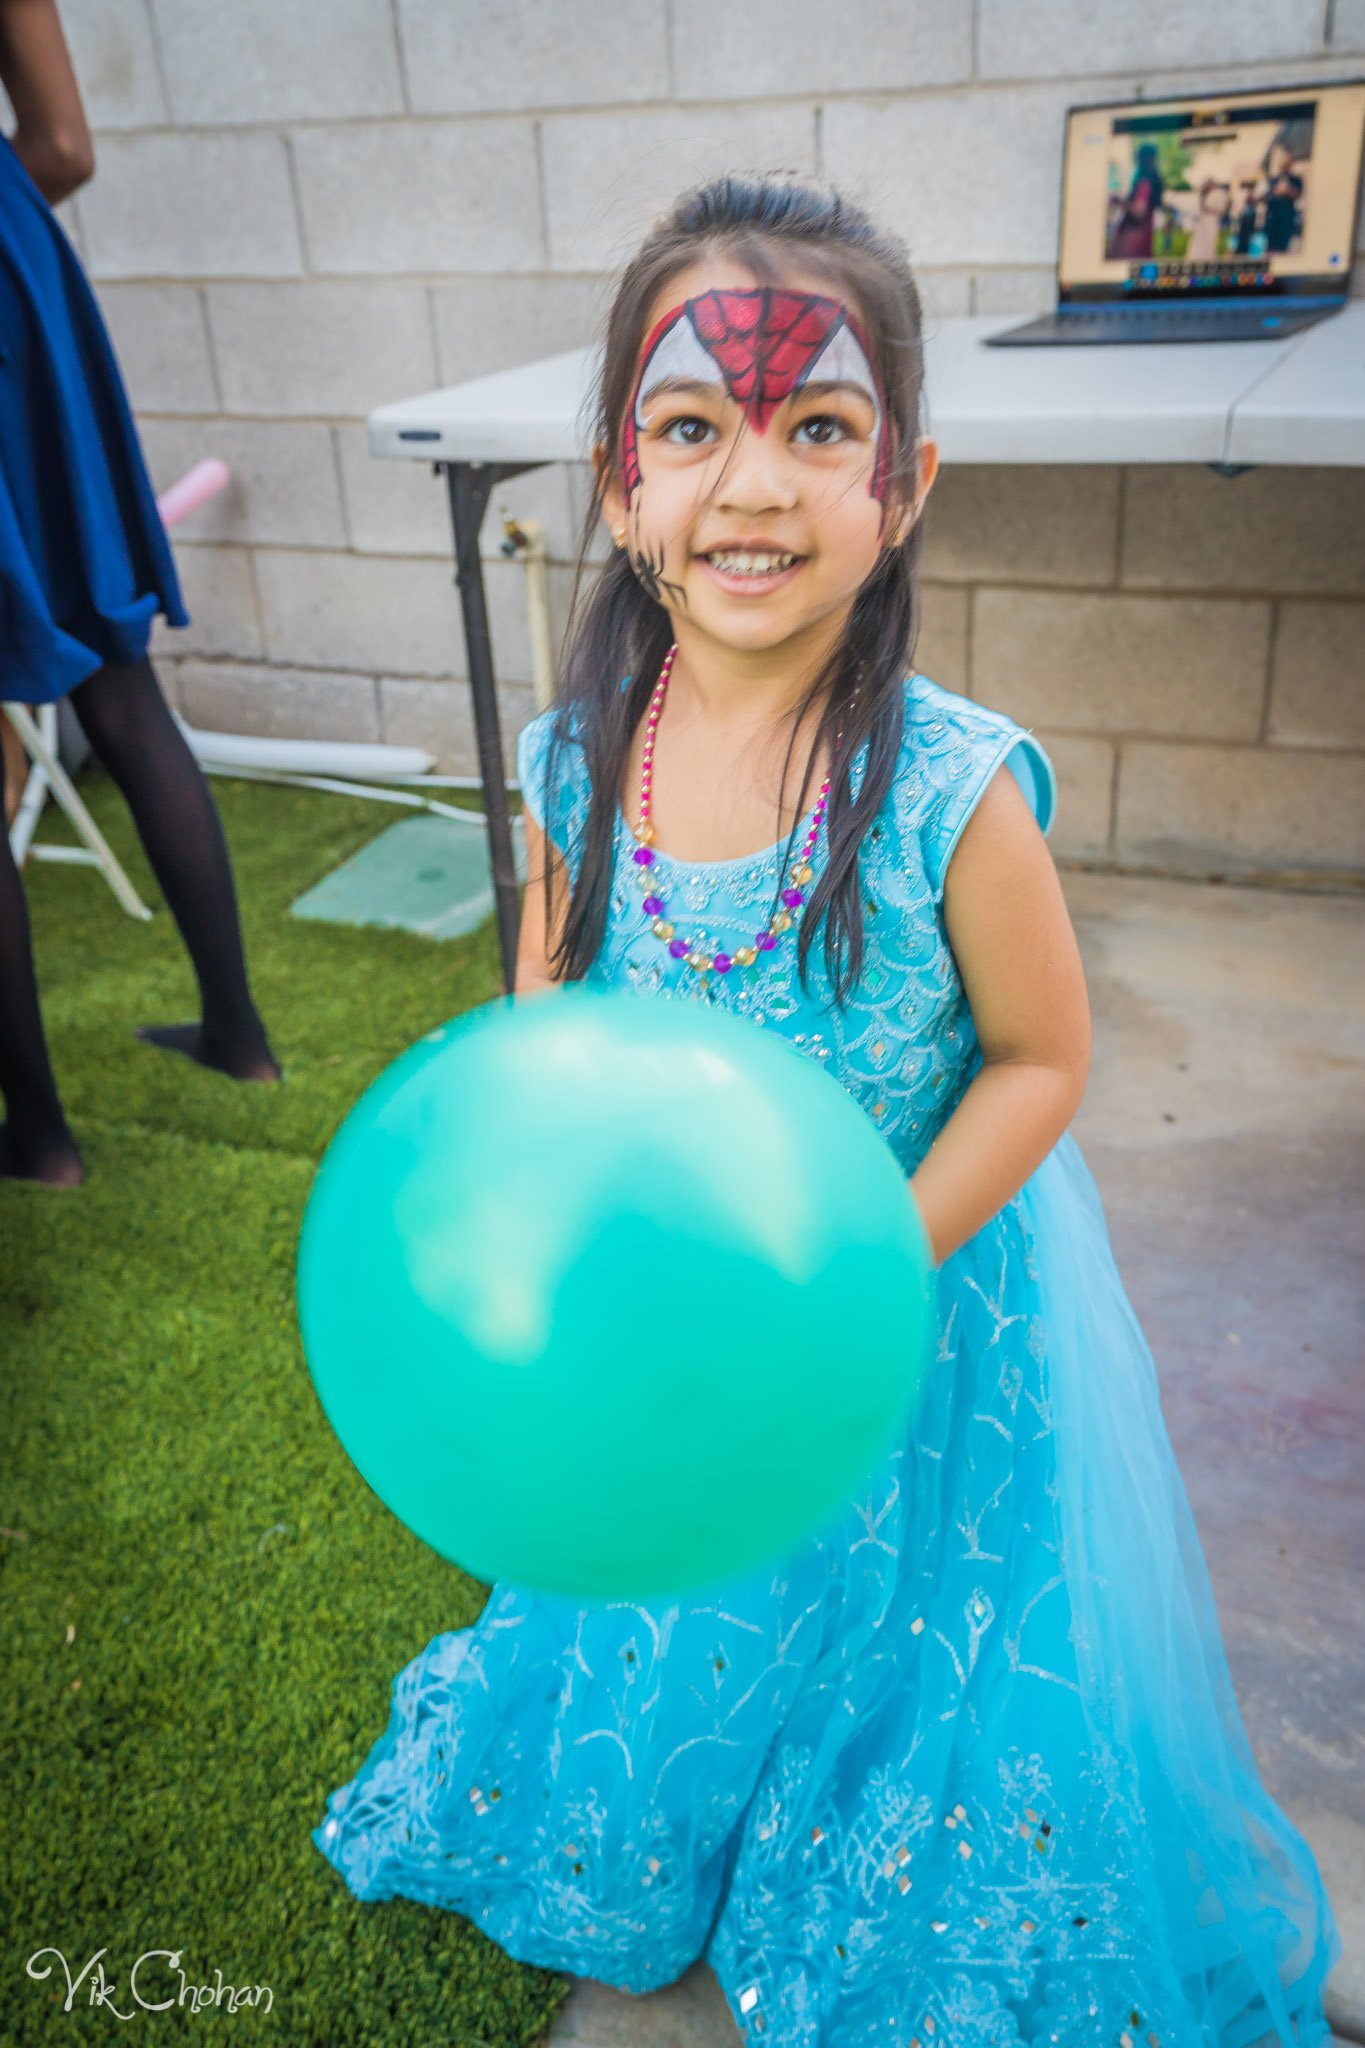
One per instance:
[(1229, 404)]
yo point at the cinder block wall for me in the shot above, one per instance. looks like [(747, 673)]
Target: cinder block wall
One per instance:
[(307, 207)]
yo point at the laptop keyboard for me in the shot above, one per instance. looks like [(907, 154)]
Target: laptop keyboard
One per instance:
[(1129, 317)]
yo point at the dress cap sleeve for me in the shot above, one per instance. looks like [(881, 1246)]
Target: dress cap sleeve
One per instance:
[(552, 774), (957, 747)]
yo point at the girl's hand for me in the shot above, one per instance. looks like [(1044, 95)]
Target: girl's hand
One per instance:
[(51, 138)]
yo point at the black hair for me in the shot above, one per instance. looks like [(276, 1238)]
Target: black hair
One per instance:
[(770, 225)]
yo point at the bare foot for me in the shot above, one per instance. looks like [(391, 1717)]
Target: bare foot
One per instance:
[(251, 1062), (52, 1160)]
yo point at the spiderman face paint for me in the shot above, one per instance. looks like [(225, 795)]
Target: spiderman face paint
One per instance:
[(759, 347)]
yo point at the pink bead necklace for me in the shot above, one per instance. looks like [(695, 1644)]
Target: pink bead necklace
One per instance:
[(654, 907)]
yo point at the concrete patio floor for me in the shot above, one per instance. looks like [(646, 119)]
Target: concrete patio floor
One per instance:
[(1225, 1125)]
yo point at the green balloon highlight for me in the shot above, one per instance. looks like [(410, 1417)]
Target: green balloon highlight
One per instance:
[(611, 1297)]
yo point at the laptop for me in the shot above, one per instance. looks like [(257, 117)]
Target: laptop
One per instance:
[(1223, 216)]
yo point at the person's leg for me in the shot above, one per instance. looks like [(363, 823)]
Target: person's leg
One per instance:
[(129, 724), (35, 1140)]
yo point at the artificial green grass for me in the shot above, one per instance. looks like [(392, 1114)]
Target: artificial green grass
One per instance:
[(203, 1605)]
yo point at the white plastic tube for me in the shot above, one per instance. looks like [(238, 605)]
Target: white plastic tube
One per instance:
[(350, 759)]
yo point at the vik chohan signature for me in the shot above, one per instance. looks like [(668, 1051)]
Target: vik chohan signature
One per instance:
[(156, 1983)]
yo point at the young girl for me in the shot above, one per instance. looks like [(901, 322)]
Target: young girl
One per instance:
[(966, 1771)]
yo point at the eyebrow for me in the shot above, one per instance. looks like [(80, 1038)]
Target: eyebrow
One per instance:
[(670, 386)]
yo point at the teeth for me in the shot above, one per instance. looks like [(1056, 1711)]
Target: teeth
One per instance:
[(734, 562)]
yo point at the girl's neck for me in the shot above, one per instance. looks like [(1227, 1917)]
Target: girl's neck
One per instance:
[(742, 690)]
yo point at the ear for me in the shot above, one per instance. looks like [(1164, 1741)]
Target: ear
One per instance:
[(904, 513), (613, 497), (926, 469)]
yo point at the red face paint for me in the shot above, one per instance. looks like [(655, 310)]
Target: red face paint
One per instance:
[(760, 346)]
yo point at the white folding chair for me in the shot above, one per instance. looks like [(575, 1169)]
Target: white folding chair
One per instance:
[(38, 738)]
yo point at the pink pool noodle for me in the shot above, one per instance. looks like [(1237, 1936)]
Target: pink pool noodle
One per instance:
[(193, 490)]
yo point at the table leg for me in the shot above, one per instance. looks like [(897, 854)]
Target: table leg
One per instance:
[(469, 486)]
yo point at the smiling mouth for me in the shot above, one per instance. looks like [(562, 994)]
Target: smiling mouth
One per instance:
[(750, 562)]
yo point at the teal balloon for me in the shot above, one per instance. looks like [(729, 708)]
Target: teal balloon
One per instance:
[(613, 1297)]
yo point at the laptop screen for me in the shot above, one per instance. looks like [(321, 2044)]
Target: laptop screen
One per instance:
[(1213, 195)]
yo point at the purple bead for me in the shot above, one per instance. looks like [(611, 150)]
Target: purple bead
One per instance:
[(677, 947), (653, 906), (792, 897), (765, 941), (644, 856), (722, 963)]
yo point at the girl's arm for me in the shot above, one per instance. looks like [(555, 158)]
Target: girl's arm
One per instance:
[(1011, 935), (51, 139), (534, 946)]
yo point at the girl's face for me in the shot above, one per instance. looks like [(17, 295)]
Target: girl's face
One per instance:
[(754, 492)]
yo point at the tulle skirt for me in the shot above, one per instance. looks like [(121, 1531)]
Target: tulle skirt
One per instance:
[(84, 560), (966, 1771)]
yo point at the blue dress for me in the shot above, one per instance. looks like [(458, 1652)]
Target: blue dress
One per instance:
[(967, 1771), (84, 559)]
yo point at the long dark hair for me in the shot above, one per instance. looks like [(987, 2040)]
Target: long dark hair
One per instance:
[(769, 225)]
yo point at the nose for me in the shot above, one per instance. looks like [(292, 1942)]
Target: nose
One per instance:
[(756, 474)]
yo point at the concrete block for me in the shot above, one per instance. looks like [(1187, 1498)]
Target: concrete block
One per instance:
[(1193, 667), (943, 294), (1085, 786), (1317, 694), (941, 649), (217, 588), (581, 496), (1348, 33), (1210, 809), (392, 508), (317, 347), (284, 485), (1269, 530), (423, 196), (279, 703), (465, 57), (505, 587), (168, 675), (485, 324), (545, 495), (1024, 289), (162, 345), (966, 177), (607, 176), (278, 60), (400, 508), (440, 717), (1035, 523), (115, 60), (724, 52), (1074, 35), (191, 206), (367, 612), (689, 2014), (69, 220)]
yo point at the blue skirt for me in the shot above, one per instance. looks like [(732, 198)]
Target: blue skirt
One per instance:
[(84, 560), (965, 1771)]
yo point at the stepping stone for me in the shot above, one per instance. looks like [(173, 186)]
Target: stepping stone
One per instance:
[(424, 875), (689, 2014)]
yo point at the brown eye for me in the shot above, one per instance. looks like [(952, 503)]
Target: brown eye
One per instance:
[(823, 429), (688, 432)]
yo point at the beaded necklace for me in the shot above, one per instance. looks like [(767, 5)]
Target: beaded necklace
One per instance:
[(654, 907)]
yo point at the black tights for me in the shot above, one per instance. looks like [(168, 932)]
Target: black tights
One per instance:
[(129, 724)]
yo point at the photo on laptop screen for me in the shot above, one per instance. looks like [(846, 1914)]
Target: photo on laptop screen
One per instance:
[(1230, 192)]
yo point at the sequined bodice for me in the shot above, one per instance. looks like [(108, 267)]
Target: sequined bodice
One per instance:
[(903, 1045)]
